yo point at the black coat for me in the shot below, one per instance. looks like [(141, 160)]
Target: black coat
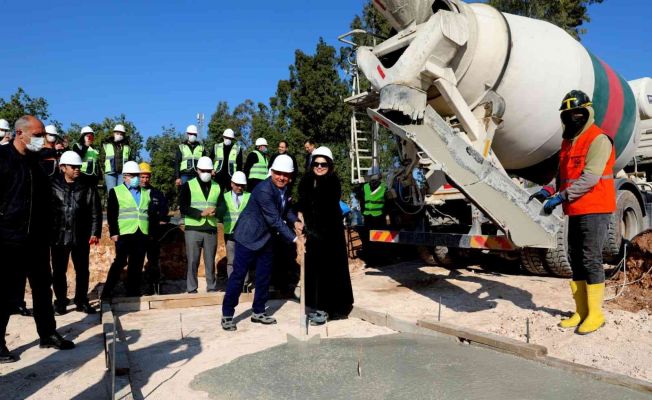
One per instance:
[(24, 197), (76, 212), (328, 283)]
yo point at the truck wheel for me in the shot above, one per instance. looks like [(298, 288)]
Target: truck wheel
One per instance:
[(532, 260), (549, 261), (444, 257), (557, 260), (625, 223)]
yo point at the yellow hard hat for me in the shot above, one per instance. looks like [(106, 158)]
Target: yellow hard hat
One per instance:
[(145, 168)]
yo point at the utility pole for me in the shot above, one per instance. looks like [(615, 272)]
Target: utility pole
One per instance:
[(200, 124)]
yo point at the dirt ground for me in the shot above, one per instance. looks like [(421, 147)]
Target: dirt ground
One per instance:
[(498, 300)]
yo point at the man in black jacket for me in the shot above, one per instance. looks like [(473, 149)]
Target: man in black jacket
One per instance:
[(24, 227), (77, 223)]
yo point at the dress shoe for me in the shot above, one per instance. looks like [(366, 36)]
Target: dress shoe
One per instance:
[(60, 309), (56, 341), (6, 356), (86, 308), (22, 310)]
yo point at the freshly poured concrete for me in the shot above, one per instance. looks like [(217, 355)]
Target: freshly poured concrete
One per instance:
[(397, 366)]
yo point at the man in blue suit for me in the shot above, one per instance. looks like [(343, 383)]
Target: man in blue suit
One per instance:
[(264, 216)]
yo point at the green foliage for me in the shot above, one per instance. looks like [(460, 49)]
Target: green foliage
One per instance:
[(162, 149), (569, 15), (20, 103)]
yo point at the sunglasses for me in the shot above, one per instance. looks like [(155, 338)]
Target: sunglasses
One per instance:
[(320, 165)]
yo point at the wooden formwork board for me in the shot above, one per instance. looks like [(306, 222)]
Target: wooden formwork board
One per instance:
[(169, 301)]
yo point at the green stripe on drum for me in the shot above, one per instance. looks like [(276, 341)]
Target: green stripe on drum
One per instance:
[(626, 113)]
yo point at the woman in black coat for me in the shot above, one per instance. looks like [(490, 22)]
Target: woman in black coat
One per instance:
[(328, 283)]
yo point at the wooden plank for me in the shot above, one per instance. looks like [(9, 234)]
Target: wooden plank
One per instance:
[(374, 317), (488, 339), (160, 297), (197, 302)]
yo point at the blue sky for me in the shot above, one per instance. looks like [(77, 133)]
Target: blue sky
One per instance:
[(162, 62)]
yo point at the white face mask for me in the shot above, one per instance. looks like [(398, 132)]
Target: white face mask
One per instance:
[(205, 176), (35, 144), (227, 142), (118, 138), (192, 138), (51, 138)]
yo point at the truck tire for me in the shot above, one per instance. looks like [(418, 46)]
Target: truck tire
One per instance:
[(532, 260), (549, 261), (625, 223)]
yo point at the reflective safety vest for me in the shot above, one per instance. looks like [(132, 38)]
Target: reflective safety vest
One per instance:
[(189, 157), (109, 157), (601, 199), (259, 170), (374, 201), (233, 212), (198, 201), (89, 162), (132, 216), (219, 157)]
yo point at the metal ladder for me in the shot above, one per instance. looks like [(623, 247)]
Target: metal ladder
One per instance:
[(364, 141)]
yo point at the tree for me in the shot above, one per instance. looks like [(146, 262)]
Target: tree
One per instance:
[(20, 103), (569, 15), (162, 149)]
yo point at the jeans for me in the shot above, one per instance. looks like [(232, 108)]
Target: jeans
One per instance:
[(112, 180), (244, 259), (586, 237)]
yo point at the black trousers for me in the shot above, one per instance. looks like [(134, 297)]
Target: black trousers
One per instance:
[(60, 256), (129, 250), (285, 270), (153, 273), (30, 260), (586, 237)]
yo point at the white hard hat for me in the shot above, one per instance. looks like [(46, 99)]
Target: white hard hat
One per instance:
[(119, 128), (261, 142), (51, 130), (191, 129), (228, 133), (239, 178), (283, 163), (4, 125), (205, 163), (70, 158), (322, 151), (131, 167), (86, 129)]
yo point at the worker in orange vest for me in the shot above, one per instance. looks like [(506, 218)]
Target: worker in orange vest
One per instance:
[(588, 196)]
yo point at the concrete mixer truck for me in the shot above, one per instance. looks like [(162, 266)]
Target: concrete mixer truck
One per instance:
[(472, 96)]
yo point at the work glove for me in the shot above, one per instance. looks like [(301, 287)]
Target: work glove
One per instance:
[(542, 195), (552, 203)]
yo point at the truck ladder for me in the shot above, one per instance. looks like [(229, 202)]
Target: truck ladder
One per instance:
[(490, 189)]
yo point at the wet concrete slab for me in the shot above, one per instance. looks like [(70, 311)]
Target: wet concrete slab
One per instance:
[(396, 366)]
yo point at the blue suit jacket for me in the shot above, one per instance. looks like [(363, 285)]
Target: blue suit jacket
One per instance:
[(264, 216)]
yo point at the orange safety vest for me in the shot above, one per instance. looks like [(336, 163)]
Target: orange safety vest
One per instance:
[(601, 199)]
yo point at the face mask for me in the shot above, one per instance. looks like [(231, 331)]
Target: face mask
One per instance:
[(192, 138), (205, 176), (573, 123), (134, 182), (263, 150), (35, 144), (227, 142), (51, 138), (118, 138)]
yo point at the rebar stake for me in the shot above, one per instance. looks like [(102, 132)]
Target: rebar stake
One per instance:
[(439, 313), (527, 330)]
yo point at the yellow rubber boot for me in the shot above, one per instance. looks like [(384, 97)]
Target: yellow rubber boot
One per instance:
[(595, 319), (578, 288)]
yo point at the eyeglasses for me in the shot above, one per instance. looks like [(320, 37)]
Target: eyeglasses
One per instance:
[(320, 165)]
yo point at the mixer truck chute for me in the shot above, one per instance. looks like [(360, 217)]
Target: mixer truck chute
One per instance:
[(474, 93)]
